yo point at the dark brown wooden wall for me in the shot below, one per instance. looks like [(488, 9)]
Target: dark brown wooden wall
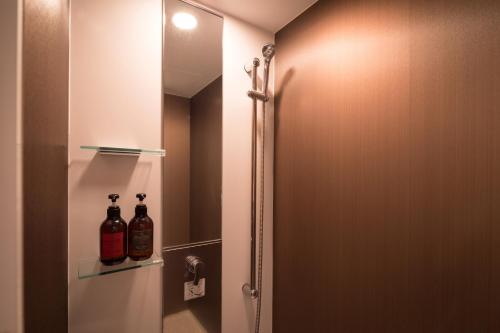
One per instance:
[(192, 175), (387, 171), (206, 163), (176, 129), (45, 165)]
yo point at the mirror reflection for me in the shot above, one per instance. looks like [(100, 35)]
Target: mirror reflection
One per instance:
[(192, 126), (192, 170)]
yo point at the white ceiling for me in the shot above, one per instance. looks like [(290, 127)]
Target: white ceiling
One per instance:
[(271, 15), (193, 58)]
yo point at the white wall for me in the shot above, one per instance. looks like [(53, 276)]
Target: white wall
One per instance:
[(115, 99), (10, 195), (115, 82), (243, 42)]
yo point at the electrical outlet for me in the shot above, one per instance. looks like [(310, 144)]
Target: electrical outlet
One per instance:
[(192, 292)]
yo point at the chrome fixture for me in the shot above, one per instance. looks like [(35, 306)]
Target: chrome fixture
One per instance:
[(268, 53), (193, 266), (254, 289), (251, 289)]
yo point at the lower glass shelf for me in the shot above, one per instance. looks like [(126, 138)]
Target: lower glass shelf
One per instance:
[(88, 268)]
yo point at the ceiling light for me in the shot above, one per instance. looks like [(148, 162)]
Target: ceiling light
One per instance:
[(184, 21)]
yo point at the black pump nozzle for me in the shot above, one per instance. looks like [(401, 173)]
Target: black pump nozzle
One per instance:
[(113, 210), (141, 196), (113, 197), (141, 209)]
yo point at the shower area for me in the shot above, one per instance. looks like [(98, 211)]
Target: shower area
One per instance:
[(254, 288), (192, 173), (310, 166)]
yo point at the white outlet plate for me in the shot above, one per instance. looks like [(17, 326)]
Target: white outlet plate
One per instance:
[(192, 292)]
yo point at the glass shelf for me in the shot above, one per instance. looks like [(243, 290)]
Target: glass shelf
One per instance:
[(88, 268), (124, 150)]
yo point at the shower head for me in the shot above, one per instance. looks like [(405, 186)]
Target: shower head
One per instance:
[(268, 52)]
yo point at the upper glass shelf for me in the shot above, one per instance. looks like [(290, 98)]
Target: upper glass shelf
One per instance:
[(88, 268), (124, 150)]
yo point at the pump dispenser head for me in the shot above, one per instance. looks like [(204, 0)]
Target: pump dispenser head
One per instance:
[(141, 208), (113, 197), (114, 209)]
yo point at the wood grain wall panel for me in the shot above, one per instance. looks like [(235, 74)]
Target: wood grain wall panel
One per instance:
[(176, 128), (454, 61), (494, 209), (45, 159), (206, 163), (385, 168)]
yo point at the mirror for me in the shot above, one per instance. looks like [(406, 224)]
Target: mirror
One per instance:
[(192, 125), (192, 169)]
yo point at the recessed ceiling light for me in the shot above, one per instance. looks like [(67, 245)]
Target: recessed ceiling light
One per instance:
[(184, 21)]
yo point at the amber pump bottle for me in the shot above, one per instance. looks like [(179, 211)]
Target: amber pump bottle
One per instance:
[(140, 232), (113, 239)]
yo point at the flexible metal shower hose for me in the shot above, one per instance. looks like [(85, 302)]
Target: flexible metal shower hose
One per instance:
[(261, 222)]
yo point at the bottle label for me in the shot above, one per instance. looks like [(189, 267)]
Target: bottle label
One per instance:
[(112, 245), (142, 240)]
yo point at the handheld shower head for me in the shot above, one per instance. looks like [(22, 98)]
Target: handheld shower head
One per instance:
[(268, 52)]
